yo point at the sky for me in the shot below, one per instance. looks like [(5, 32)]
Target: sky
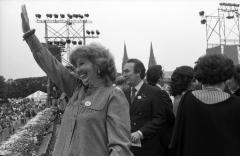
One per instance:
[(173, 27)]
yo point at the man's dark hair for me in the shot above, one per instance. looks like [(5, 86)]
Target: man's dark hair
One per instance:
[(154, 73), (181, 79), (138, 67)]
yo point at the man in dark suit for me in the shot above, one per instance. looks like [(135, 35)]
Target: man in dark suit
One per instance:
[(150, 113)]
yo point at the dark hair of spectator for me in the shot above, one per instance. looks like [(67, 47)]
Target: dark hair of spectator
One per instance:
[(154, 73), (99, 56), (236, 74), (213, 69), (138, 67), (181, 79)]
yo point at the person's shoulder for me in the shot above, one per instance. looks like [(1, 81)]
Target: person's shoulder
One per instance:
[(155, 89), (117, 93), (115, 90), (150, 87)]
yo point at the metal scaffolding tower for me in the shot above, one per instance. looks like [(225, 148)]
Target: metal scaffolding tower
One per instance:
[(222, 28), (66, 31)]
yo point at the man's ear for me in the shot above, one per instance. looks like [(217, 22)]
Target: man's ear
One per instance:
[(139, 74)]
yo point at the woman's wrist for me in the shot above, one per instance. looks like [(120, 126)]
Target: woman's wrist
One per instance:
[(28, 33)]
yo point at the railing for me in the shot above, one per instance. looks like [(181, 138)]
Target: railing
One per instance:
[(30, 139)]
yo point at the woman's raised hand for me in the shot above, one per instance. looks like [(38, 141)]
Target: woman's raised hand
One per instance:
[(25, 20)]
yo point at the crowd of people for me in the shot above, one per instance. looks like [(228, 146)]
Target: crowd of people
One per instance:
[(15, 113), (139, 117)]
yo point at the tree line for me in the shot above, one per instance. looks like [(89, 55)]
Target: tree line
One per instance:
[(20, 88)]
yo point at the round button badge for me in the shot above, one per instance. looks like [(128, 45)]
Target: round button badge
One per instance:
[(87, 103)]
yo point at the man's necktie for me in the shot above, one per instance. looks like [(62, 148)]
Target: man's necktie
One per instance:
[(133, 92)]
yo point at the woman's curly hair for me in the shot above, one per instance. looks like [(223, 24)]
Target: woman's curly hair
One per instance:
[(181, 79), (99, 56), (213, 69)]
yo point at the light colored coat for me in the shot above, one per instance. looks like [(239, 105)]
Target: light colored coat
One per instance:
[(96, 122)]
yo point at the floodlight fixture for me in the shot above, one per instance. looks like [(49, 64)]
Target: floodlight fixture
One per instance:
[(92, 32), (75, 15), (88, 32), (79, 15), (68, 41), (62, 15), (55, 15), (203, 21), (38, 15), (86, 15), (201, 13), (97, 32), (49, 15), (69, 16), (74, 42), (80, 42)]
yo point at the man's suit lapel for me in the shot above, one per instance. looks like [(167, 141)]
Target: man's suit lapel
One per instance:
[(140, 92), (127, 94), (136, 103)]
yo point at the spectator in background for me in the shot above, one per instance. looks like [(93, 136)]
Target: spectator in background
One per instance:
[(33, 113), (27, 113), (55, 94), (207, 122), (181, 81), (233, 83), (155, 76)]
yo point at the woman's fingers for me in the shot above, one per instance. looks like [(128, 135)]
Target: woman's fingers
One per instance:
[(25, 20), (24, 10)]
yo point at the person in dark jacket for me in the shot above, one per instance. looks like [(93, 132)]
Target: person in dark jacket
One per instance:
[(150, 113), (155, 78), (181, 81), (207, 122)]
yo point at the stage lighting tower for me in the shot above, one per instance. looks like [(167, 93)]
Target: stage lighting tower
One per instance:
[(223, 27)]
